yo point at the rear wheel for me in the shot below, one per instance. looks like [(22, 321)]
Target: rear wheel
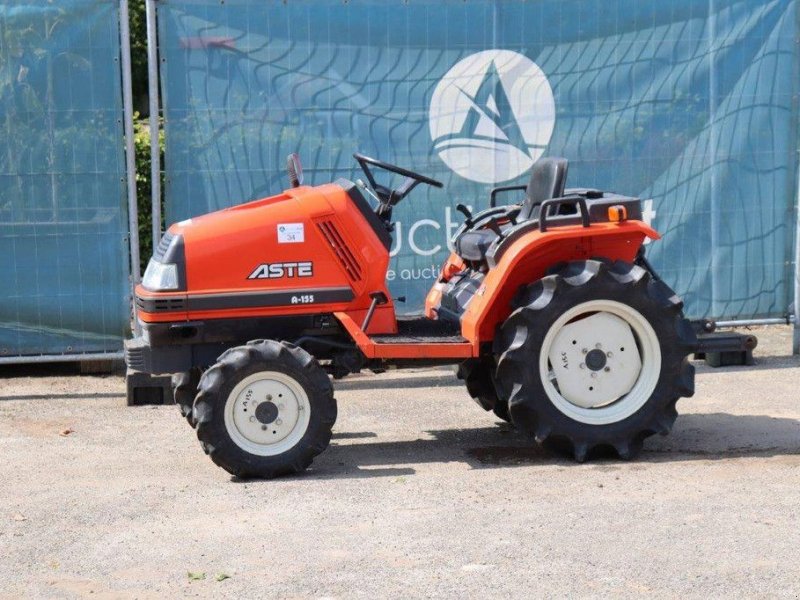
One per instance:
[(595, 355), (478, 376), (264, 409)]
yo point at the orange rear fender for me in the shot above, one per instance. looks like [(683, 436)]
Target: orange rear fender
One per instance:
[(532, 255)]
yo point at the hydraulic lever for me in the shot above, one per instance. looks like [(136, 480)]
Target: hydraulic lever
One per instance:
[(466, 212)]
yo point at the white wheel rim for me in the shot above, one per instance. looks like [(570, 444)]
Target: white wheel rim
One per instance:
[(591, 389), (267, 413)]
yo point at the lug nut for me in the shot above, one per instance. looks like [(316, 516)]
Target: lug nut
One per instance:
[(584, 351), (609, 354), (582, 365), (269, 396), (264, 427), (278, 422), (594, 374), (607, 369), (252, 419), (598, 345)]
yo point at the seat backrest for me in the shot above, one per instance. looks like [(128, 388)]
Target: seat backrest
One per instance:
[(548, 178)]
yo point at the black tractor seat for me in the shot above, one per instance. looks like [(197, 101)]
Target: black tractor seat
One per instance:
[(472, 245), (548, 178)]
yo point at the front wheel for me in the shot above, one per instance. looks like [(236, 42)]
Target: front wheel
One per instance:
[(264, 409), (595, 355)]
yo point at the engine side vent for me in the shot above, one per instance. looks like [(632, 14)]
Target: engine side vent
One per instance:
[(343, 253)]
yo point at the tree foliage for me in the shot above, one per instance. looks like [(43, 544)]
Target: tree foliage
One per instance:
[(138, 27), (141, 138), (141, 142)]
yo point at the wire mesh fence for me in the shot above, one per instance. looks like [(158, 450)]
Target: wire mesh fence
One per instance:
[(688, 105), (691, 106), (63, 228)]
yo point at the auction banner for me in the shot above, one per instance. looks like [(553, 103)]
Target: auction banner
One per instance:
[(690, 106)]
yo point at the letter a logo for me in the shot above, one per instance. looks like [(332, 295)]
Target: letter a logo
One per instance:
[(492, 116)]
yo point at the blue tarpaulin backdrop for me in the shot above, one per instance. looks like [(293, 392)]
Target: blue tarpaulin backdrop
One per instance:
[(689, 105), (63, 220)]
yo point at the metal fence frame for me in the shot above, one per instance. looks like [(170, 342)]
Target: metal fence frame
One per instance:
[(796, 336), (130, 157), (133, 233), (134, 246), (153, 96)]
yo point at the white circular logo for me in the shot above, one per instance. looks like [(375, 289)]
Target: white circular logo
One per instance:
[(492, 116)]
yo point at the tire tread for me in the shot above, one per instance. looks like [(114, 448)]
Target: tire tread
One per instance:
[(539, 304), (233, 365)]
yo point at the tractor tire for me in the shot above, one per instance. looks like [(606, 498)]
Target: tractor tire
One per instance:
[(500, 410), (478, 377), (264, 410), (184, 389), (562, 364)]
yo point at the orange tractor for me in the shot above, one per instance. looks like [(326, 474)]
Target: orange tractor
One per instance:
[(548, 307)]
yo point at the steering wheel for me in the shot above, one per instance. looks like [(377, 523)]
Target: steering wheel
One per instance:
[(390, 197)]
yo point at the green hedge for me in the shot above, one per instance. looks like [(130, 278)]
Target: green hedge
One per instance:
[(141, 141)]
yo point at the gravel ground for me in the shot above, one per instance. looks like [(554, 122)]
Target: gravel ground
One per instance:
[(420, 494)]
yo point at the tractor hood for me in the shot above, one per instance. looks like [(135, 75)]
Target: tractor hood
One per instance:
[(289, 253), (208, 252)]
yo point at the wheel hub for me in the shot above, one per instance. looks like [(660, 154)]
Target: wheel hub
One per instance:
[(595, 360), (267, 413)]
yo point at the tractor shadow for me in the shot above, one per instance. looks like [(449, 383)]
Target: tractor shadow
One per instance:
[(713, 436)]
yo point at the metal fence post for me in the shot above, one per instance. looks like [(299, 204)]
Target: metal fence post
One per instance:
[(130, 164), (155, 149), (796, 333)]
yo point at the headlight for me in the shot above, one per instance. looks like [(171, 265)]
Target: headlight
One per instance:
[(160, 277), (166, 271)]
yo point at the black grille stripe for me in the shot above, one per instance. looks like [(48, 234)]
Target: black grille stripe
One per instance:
[(160, 305), (245, 300), (276, 298)]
